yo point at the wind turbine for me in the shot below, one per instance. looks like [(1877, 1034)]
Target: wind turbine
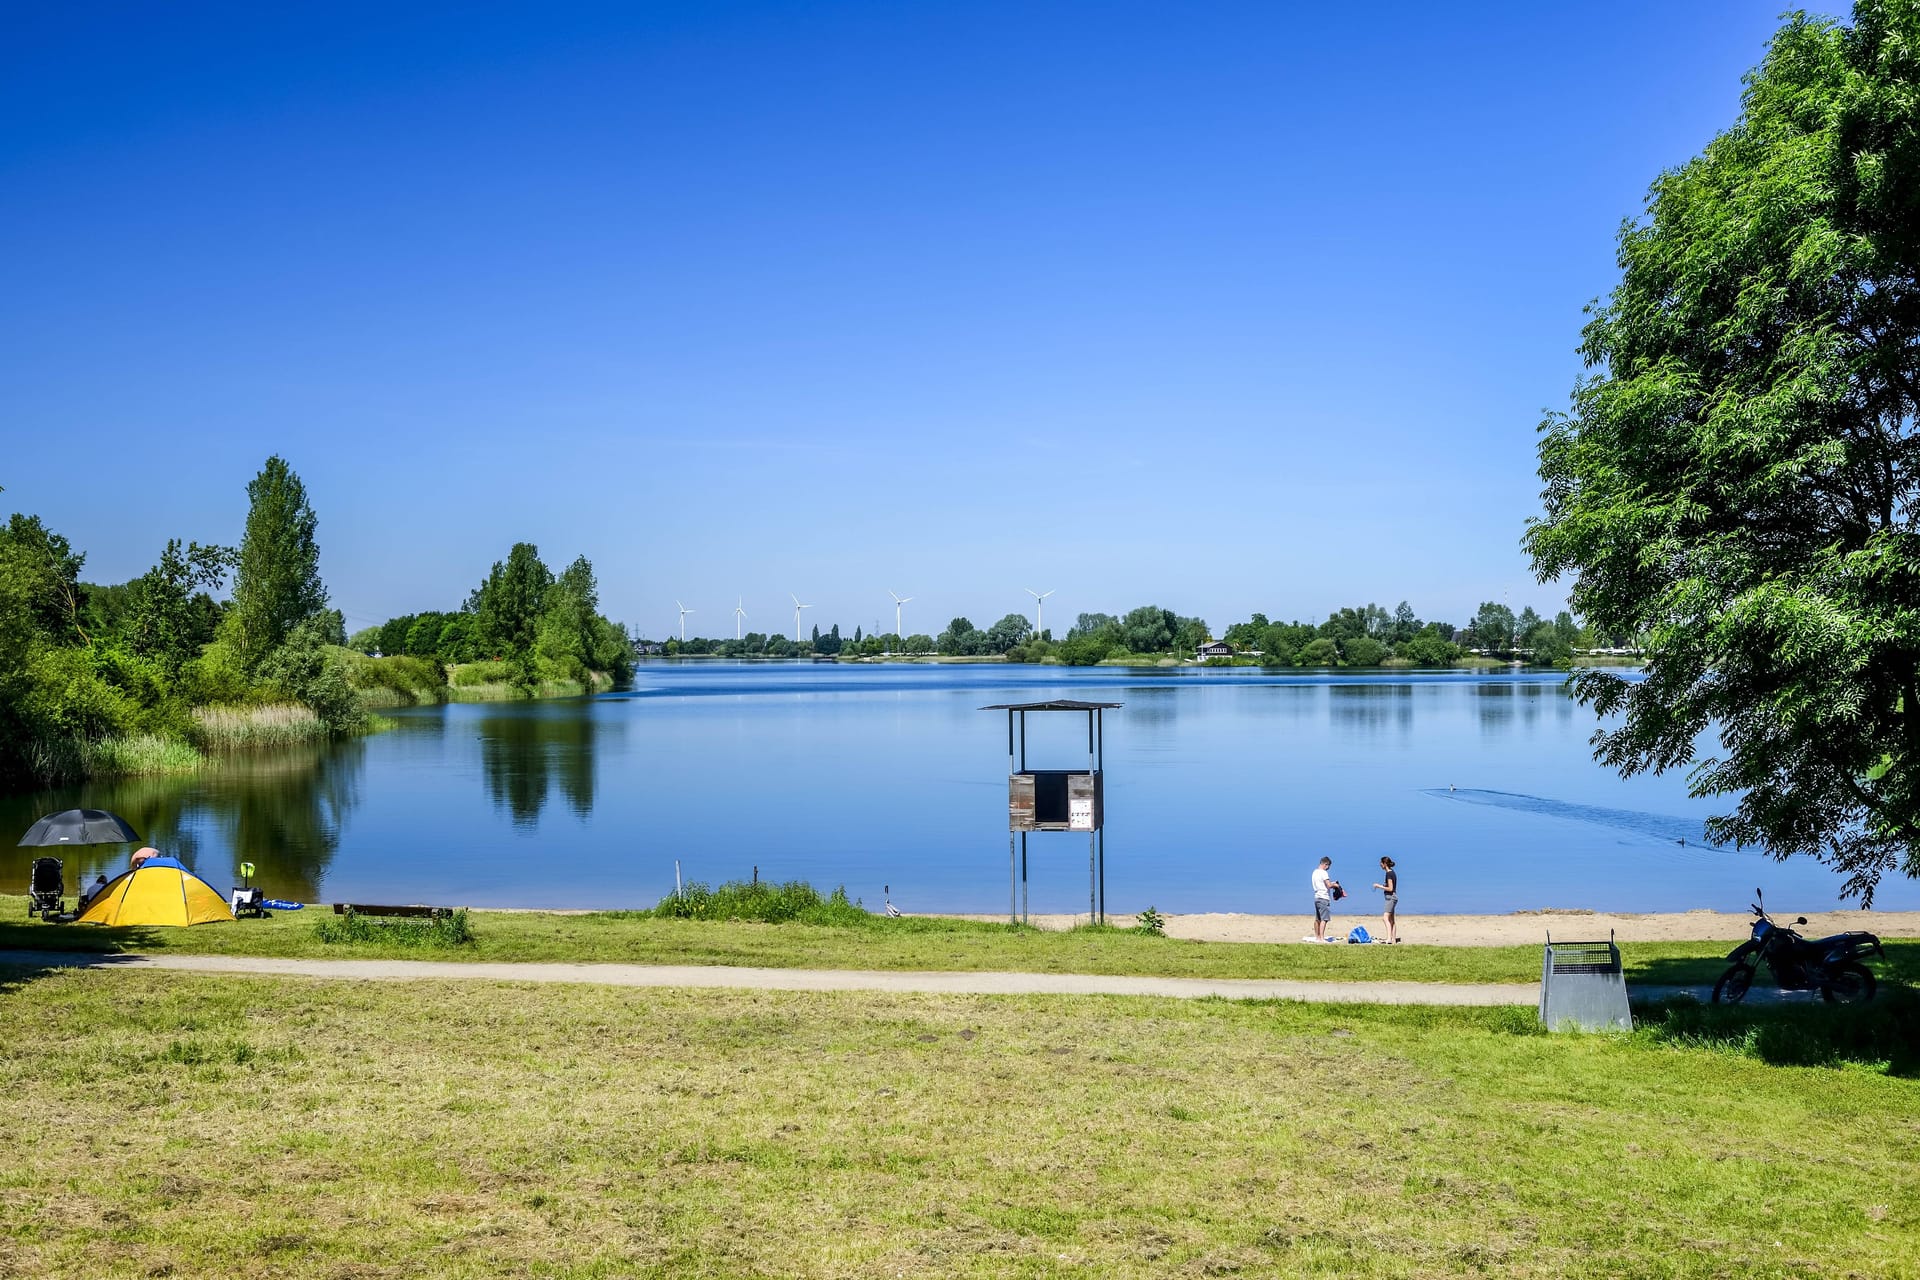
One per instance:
[(1039, 603), (897, 602), (684, 611), (797, 607), (739, 612)]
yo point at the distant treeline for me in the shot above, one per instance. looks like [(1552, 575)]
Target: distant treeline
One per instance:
[(537, 625), (1360, 636)]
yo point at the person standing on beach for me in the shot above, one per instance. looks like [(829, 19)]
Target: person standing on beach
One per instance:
[(1323, 887), (1390, 887)]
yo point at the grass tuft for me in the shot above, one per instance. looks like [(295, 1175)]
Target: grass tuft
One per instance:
[(352, 928), (765, 901)]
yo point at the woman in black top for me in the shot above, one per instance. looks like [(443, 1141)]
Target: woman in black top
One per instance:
[(1391, 888)]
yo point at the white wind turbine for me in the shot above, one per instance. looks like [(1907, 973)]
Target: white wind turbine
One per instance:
[(897, 602), (739, 612), (684, 611), (797, 607), (1039, 603)]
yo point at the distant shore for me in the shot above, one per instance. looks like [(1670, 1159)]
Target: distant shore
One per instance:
[(1514, 929)]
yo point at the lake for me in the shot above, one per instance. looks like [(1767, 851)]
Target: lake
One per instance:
[(1223, 788)]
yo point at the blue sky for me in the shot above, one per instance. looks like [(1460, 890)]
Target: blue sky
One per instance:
[(1225, 307)]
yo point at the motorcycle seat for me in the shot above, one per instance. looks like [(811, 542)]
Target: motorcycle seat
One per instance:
[(1840, 939)]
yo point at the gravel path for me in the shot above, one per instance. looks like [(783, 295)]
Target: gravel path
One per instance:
[(970, 983), (647, 975)]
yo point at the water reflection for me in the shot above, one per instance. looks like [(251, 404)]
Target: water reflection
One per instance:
[(1372, 708), (284, 812), (525, 751)]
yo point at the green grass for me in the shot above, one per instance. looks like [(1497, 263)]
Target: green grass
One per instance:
[(218, 1127), (638, 937), (353, 929), (764, 901)]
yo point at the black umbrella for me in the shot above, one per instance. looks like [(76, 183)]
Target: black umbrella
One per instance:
[(79, 826)]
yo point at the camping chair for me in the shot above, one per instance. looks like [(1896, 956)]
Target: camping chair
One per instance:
[(246, 900), (46, 888)]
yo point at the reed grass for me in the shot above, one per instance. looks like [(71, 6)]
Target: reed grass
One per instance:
[(141, 754), (255, 728)]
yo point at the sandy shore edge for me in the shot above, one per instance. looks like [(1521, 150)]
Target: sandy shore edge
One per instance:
[(1515, 929)]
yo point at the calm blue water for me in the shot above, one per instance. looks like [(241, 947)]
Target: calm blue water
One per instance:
[(1223, 788)]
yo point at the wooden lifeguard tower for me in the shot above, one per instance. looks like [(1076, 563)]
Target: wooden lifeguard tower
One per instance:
[(1056, 800)]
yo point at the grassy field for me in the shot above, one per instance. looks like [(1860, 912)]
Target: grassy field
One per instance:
[(912, 943), (173, 1125)]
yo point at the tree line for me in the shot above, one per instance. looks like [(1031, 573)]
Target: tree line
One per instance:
[(1358, 636), (84, 666), (537, 625)]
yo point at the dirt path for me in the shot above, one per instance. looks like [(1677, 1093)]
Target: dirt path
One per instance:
[(686, 975), (638, 975)]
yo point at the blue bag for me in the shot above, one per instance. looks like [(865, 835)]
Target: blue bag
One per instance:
[(1359, 934)]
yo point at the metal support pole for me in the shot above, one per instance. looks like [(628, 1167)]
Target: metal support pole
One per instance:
[(1100, 790), (1023, 742), (1093, 908), (1013, 887), (1013, 896), (1023, 877), (1103, 876)]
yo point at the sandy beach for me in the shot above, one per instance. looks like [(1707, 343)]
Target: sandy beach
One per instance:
[(1516, 929)]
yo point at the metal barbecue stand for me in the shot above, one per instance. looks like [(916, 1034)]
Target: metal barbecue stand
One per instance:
[(1582, 985)]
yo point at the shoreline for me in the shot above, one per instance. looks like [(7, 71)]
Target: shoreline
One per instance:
[(1517, 928)]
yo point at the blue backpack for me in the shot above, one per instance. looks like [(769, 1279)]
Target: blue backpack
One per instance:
[(1359, 934)]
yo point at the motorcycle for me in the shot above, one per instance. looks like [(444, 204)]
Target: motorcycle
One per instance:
[(1829, 965)]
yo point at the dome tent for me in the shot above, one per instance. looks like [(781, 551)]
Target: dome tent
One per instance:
[(159, 891)]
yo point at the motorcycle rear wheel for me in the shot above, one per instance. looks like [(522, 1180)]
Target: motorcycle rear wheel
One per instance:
[(1848, 984), (1733, 985)]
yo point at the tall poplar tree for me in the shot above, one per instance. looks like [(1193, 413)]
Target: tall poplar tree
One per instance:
[(276, 583)]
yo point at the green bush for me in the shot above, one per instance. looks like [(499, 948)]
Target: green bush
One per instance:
[(762, 900), (350, 927), (476, 673), (396, 681)]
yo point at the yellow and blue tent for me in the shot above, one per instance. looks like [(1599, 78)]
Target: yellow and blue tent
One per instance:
[(158, 891)]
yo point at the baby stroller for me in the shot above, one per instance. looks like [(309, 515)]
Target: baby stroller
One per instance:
[(47, 888)]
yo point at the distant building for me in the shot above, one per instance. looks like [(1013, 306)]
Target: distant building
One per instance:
[(1214, 649)]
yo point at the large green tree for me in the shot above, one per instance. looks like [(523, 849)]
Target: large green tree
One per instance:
[(276, 581), (507, 609), (1737, 481)]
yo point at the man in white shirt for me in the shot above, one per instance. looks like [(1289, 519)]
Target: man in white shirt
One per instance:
[(1323, 884)]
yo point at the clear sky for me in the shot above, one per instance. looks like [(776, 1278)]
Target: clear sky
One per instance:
[(1225, 307)]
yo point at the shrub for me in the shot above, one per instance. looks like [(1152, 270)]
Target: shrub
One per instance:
[(762, 900), (1151, 922), (351, 927), (397, 681), (476, 673)]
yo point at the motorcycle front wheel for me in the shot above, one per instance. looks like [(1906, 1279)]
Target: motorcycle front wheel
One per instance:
[(1848, 984), (1733, 984)]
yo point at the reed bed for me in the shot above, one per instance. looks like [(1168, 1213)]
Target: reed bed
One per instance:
[(254, 728), (141, 753)]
